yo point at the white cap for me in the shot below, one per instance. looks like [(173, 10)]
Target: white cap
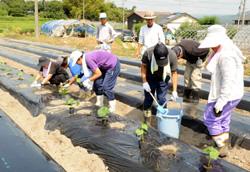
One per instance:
[(216, 36), (102, 16), (75, 55)]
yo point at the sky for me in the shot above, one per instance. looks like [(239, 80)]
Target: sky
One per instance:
[(194, 7)]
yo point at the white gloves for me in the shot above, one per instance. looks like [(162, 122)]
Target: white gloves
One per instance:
[(35, 84), (87, 84), (174, 95), (199, 63), (146, 87), (66, 85), (218, 107)]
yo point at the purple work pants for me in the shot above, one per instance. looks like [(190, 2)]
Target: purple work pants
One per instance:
[(219, 125)]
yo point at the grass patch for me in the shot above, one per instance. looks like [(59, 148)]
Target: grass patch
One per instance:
[(18, 25)]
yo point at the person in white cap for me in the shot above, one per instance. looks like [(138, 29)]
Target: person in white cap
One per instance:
[(100, 70), (149, 35), (227, 84), (105, 35)]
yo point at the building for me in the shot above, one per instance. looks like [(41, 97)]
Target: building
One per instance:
[(165, 19), (247, 19), (174, 21), (137, 17)]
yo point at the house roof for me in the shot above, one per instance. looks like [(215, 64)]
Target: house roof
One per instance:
[(172, 17), (142, 13)]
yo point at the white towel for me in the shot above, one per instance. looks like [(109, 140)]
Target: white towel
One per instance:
[(166, 70), (85, 70)]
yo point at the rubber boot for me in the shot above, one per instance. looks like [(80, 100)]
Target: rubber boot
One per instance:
[(112, 105), (99, 101), (195, 96), (222, 142), (147, 116), (186, 95)]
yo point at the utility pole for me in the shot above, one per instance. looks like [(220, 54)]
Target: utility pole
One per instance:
[(240, 14), (243, 13), (36, 20), (123, 15), (83, 9)]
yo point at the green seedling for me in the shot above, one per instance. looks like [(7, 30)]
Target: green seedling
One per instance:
[(63, 91), (141, 131), (78, 80), (103, 112), (144, 126), (72, 102), (20, 75), (212, 153)]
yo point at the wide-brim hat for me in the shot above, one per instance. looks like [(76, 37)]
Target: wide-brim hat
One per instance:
[(216, 36), (149, 15), (43, 61)]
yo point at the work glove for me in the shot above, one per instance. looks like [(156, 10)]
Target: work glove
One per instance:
[(35, 84), (87, 84), (218, 108), (83, 78), (174, 95), (146, 87), (66, 85), (199, 63)]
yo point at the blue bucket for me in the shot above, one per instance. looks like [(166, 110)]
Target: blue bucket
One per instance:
[(169, 122)]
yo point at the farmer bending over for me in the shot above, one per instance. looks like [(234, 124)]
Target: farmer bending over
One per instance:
[(50, 72), (105, 68), (159, 64)]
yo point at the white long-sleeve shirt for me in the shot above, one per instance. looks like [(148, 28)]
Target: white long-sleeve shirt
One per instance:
[(227, 79), (150, 36), (105, 33)]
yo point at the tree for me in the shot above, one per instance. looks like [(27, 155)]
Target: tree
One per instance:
[(4, 9), (16, 7), (209, 20), (52, 9)]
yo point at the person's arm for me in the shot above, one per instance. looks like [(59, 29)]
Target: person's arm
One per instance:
[(140, 43), (161, 36), (96, 74), (113, 35), (144, 72), (174, 80), (227, 68), (38, 77), (138, 50), (46, 80)]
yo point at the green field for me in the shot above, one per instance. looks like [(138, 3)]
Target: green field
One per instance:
[(18, 25)]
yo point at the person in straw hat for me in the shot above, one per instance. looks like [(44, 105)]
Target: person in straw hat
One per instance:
[(150, 34), (227, 84)]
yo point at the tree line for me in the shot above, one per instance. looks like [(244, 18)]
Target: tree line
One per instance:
[(63, 9)]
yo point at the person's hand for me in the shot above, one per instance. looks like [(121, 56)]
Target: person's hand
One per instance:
[(83, 78), (174, 95), (87, 84), (35, 84), (146, 87), (218, 109), (66, 85), (199, 63)]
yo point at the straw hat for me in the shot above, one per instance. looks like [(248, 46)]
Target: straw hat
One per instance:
[(149, 15), (216, 36)]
